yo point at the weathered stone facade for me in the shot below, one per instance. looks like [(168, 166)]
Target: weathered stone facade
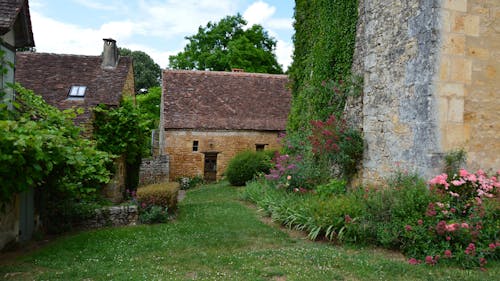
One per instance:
[(431, 84), (154, 170), (115, 189), (184, 162), (9, 223)]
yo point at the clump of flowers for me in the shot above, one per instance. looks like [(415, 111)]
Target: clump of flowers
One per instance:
[(463, 224)]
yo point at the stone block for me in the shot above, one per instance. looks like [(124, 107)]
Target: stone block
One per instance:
[(446, 21), (454, 136), (472, 25), (456, 110), (451, 90), (478, 53), (458, 23), (460, 70), (454, 44), (455, 5), (442, 107), (444, 68)]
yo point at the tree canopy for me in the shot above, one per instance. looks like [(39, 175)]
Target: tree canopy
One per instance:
[(146, 72), (228, 44)]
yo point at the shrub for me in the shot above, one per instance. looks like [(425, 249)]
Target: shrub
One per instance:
[(162, 194), (246, 165), (332, 188), (154, 214)]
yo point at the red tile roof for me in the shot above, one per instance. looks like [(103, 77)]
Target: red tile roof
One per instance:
[(225, 100), (15, 14), (52, 75)]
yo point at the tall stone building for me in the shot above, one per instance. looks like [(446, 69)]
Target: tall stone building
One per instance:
[(431, 84), (209, 116)]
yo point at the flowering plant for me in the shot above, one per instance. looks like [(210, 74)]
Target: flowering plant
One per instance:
[(463, 225)]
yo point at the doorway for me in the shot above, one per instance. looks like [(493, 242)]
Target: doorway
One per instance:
[(210, 170)]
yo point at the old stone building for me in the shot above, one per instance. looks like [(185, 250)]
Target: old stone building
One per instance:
[(77, 81), (431, 84), (209, 116), (17, 216)]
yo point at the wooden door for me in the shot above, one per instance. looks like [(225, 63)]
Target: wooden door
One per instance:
[(210, 170)]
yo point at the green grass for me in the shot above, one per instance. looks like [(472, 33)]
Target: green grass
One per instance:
[(215, 237)]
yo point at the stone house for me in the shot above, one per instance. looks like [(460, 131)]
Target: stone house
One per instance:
[(77, 81), (210, 116), (431, 74), (17, 219)]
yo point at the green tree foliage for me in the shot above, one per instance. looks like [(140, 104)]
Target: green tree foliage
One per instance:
[(146, 72), (324, 40), (122, 131), (41, 147), (246, 165), (227, 44), (149, 106)]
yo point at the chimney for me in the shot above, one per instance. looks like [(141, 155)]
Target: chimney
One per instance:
[(109, 54)]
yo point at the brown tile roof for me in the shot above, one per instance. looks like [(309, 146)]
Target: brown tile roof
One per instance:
[(15, 14), (225, 100), (52, 75)]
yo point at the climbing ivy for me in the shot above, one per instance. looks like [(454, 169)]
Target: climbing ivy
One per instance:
[(122, 131), (325, 32)]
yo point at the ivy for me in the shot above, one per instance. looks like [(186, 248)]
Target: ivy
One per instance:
[(122, 131), (325, 32)]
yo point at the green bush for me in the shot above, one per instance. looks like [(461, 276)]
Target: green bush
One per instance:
[(154, 214), (162, 194), (246, 165), (190, 182), (332, 188)]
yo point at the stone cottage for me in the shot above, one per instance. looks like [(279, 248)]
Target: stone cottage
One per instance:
[(209, 116), (431, 74), (76, 81), (17, 219)]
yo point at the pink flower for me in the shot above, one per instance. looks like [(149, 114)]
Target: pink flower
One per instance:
[(289, 177), (464, 225), (413, 261), (458, 182), (453, 194), (472, 178), (408, 227), (453, 210), (492, 246), (463, 173), (448, 238), (430, 260), (471, 249), (420, 222), (447, 253)]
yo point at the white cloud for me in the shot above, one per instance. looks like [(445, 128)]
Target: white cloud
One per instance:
[(258, 13), (97, 5), (284, 51)]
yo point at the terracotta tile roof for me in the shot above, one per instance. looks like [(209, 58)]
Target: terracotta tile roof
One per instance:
[(225, 100), (17, 11), (52, 75)]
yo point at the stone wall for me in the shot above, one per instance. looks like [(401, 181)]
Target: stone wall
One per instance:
[(184, 162), (431, 84), (112, 216), (154, 170), (468, 84)]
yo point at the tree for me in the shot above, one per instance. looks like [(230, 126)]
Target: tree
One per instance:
[(228, 44), (146, 72)]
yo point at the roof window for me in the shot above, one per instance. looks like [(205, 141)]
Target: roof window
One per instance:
[(77, 92)]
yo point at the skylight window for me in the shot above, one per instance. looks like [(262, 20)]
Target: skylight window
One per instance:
[(77, 91)]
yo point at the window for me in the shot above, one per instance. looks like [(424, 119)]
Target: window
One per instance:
[(77, 92), (195, 145), (260, 147)]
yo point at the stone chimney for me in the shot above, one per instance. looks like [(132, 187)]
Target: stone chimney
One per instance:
[(109, 54)]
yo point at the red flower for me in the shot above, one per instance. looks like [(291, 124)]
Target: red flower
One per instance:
[(413, 261), (430, 260), (408, 227), (447, 253), (420, 222)]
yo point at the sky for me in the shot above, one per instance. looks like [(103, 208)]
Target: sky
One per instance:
[(157, 27)]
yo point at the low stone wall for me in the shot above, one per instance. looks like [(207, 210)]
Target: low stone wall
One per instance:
[(112, 216), (154, 170)]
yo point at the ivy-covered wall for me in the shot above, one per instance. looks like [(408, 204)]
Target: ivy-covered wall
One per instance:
[(324, 39)]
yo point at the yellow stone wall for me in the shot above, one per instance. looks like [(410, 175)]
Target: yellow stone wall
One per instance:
[(468, 82), (185, 162)]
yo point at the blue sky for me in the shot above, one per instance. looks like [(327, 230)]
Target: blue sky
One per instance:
[(157, 27)]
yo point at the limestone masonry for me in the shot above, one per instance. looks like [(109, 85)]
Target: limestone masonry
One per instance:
[(431, 84)]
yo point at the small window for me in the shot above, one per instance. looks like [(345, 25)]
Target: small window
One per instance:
[(77, 91), (260, 147), (195, 145)]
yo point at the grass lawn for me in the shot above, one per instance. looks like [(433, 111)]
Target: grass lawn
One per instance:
[(215, 237)]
